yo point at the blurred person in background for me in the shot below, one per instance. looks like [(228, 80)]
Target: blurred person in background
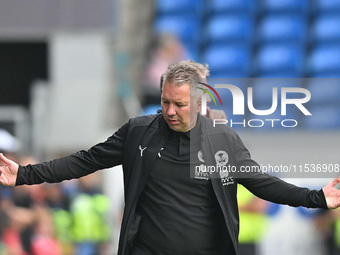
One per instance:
[(25, 203), (253, 221), (58, 203), (89, 211), (3, 226), (16, 224), (44, 241), (168, 50), (166, 211), (24, 207), (335, 215), (328, 224)]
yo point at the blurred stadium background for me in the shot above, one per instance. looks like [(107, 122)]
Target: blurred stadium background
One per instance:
[(73, 71)]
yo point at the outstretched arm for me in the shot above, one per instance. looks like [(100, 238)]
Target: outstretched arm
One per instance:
[(332, 194), (274, 189), (8, 171), (81, 163)]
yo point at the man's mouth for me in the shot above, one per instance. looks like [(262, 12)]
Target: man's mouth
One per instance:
[(173, 121)]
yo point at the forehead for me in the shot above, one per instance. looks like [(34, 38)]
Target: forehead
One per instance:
[(176, 92)]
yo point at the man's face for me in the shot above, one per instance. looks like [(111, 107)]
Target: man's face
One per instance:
[(180, 115)]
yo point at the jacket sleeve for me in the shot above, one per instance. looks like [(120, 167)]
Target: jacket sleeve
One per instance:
[(272, 188), (81, 163)]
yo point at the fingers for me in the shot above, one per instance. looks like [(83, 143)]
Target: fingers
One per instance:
[(3, 179), (216, 114), (4, 159), (6, 177), (3, 170), (336, 181)]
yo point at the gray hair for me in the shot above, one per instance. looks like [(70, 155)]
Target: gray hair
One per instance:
[(184, 72), (202, 68)]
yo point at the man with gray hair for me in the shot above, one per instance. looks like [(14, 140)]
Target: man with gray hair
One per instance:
[(204, 72), (173, 206), (181, 103)]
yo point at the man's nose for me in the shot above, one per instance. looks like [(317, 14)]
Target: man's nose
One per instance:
[(171, 110)]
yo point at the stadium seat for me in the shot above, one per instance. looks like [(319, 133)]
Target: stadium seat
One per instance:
[(263, 100), (229, 29), (282, 28), (277, 60), (328, 6), (323, 118), (263, 89), (231, 6), (326, 29), (280, 74), (241, 83), (228, 61), (284, 6), (192, 50), (326, 75), (324, 60), (186, 28), (179, 6), (325, 91)]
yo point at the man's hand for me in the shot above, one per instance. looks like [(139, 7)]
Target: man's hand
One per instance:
[(8, 171), (332, 194), (216, 114)]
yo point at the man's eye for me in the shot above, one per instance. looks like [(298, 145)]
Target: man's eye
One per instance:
[(180, 105), (165, 102)]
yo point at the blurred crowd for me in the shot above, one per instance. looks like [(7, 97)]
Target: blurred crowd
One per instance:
[(257, 215), (55, 219)]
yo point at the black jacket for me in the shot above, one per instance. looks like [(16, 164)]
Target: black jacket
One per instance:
[(152, 132)]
